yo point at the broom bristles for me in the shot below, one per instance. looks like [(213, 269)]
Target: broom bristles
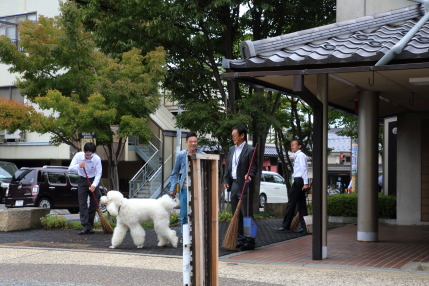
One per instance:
[(230, 239), (107, 228), (295, 222)]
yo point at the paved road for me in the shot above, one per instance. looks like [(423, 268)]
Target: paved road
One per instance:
[(38, 266), (41, 266)]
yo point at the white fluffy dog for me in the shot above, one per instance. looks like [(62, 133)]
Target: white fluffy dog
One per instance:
[(131, 212)]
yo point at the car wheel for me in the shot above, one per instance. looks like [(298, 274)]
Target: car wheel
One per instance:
[(74, 211), (45, 203), (262, 200)]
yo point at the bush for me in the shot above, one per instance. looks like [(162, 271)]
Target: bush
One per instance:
[(53, 221), (346, 205), (225, 216)]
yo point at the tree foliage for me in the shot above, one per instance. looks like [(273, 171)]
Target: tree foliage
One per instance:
[(84, 89), (197, 35)]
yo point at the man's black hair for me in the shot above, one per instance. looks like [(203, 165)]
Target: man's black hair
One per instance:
[(241, 130), (89, 146), (191, 134), (299, 142)]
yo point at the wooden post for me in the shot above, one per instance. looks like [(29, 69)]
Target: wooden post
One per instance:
[(204, 208)]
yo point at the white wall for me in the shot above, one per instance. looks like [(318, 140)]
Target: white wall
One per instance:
[(49, 8), (351, 9), (34, 151), (6, 78), (409, 169)]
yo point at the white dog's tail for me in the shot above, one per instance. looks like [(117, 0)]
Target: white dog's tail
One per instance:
[(167, 202)]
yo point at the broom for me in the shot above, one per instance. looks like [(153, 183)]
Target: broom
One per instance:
[(230, 239), (104, 223)]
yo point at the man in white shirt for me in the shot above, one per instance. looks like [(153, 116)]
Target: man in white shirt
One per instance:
[(92, 164), (299, 187)]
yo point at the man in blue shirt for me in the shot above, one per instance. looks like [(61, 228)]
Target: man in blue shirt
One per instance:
[(299, 187), (178, 175)]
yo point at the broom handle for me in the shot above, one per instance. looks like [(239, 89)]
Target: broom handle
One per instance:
[(89, 184), (248, 171)]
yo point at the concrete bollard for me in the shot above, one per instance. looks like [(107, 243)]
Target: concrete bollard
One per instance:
[(21, 218)]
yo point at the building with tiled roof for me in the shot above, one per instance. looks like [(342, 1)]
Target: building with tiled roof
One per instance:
[(374, 64)]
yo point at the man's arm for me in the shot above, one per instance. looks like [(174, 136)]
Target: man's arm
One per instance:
[(74, 164), (303, 161), (227, 174), (174, 177), (99, 171)]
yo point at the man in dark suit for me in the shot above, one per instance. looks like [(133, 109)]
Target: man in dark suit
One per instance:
[(239, 158)]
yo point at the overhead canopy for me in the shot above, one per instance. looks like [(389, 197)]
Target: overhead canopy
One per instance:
[(348, 52)]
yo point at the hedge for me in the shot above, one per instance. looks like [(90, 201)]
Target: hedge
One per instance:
[(346, 205)]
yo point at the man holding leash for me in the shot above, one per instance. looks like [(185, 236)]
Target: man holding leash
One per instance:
[(92, 164), (237, 165)]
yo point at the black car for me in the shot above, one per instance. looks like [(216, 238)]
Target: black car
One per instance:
[(7, 170), (49, 187)]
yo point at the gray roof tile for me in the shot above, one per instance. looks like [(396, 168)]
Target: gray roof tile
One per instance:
[(359, 40)]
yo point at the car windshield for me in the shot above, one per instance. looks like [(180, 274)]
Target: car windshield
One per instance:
[(28, 178), (7, 170), (4, 174)]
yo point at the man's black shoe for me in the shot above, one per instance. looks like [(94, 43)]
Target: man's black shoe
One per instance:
[(86, 231), (281, 228), (83, 231), (300, 230)]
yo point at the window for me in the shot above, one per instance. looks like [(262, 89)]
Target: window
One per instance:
[(278, 179), (74, 178), (269, 178), (57, 178), (28, 178), (9, 25)]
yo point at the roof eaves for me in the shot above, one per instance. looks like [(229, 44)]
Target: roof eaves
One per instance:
[(252, 48)]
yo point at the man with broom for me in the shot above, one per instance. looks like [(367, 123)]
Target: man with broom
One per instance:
[(237, 167), (299, 188), (91, 163)]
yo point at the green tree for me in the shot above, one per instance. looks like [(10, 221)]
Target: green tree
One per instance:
[(294, 120), (85, 89), (197, 35)]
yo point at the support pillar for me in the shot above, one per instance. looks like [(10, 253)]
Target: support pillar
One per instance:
[(322, 95), (368, 167)]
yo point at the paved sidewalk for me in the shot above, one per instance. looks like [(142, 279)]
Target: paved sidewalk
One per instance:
[(42, 266), (398, 247), (61, 257)]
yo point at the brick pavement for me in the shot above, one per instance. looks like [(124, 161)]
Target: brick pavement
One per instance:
[(397, 246)]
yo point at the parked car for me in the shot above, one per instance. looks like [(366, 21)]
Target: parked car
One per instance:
[(7, 169), (272, 189), (49, 187)]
